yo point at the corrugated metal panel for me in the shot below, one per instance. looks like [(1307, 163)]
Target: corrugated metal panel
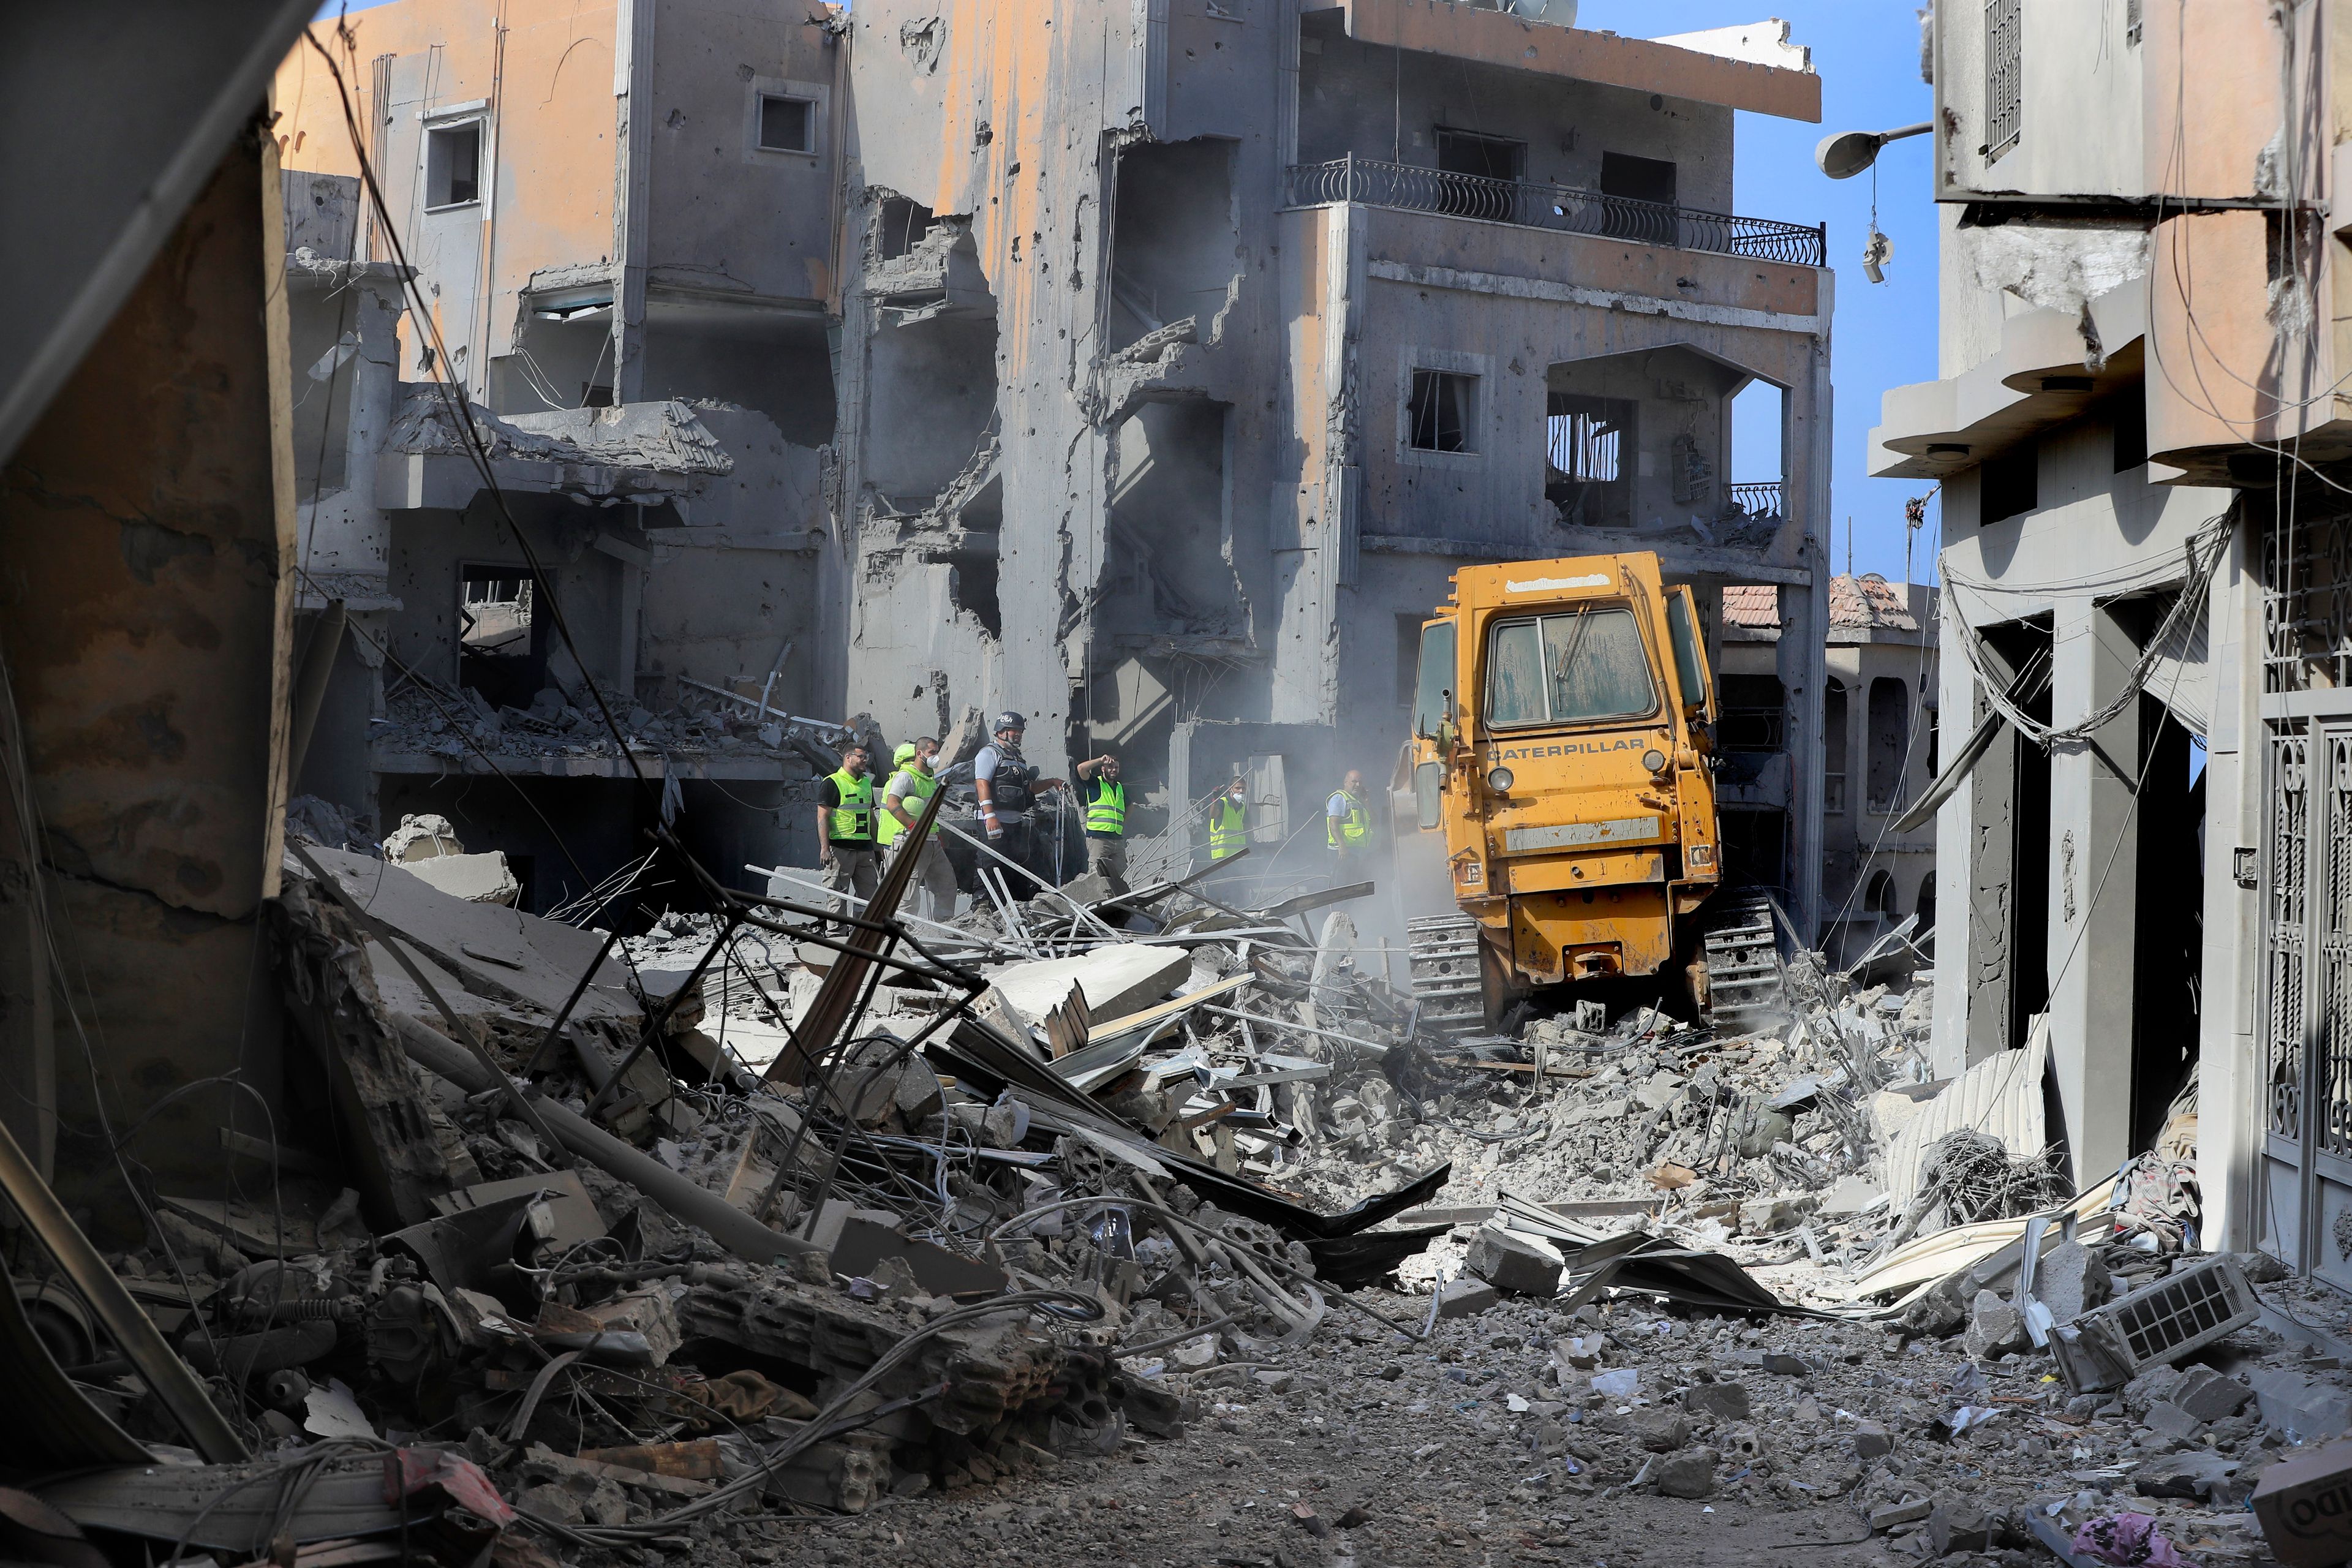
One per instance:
[(2001, 1096)]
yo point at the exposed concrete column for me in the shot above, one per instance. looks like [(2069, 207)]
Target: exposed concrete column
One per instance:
[(633, 129), (1803, 654), (2229, 1075), (1957, 926), (2093, 883)]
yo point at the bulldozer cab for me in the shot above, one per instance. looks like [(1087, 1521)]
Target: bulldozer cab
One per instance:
[(1562, 717)]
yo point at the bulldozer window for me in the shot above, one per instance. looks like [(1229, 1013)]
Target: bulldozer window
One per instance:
[(1686, 640), (1568, 670), (1434, 679)]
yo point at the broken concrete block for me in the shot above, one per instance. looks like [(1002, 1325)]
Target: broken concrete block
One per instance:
[(482, 879), (1465, 1297), (2151, 1387), (1689, 1474), (1727, 1400), (2070, 1281), (1995, 1328), (2305, 1507), (1871, 1441), (2172, 1421), (2197, 1474), (1960, 1527), (1851, 1194), (2209, 1395), (1118, 980), (1661, 1431), (1781, 1364), (1522, 1265), (1910, 1511)]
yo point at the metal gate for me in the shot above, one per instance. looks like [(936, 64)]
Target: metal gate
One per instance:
[(2305, 1030)]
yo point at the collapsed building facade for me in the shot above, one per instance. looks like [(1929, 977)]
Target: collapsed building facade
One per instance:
[(2143, 537), (637, 317), (1185, 355), (1145, 376)]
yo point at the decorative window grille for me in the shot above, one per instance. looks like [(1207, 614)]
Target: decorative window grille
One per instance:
[(2004, 75)]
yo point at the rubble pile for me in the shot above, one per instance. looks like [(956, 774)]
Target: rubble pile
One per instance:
[(427, 717), (771, 1217)]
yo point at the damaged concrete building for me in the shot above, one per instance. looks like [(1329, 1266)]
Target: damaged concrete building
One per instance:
[(635, 299), (1878, 749), (1187, 351), (1146, 375), (2139, 432)]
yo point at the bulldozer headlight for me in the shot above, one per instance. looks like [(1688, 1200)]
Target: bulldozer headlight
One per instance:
[(1655, 759), (1501, 779)]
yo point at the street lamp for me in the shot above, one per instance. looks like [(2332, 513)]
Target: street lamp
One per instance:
[(1849, 153)]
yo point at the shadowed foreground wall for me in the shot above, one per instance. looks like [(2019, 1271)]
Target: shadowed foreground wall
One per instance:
[(145, 527)]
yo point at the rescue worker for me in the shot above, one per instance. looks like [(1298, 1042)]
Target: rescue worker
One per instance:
[(1008, 787), (1229, 821), (844, 826), (1348, 830), (1105, 822), (915, 779)]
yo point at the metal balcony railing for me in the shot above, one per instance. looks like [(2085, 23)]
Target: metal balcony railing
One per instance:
[(1414, 189), (1757, 500)]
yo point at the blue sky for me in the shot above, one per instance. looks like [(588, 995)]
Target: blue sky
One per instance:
[(1867, 52), (1883, 334)]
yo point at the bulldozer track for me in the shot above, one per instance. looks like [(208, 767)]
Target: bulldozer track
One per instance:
[(1744, 983), (1445, 974)]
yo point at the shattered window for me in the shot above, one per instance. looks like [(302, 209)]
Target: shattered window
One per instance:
[(1439, 411), (1570, 669)]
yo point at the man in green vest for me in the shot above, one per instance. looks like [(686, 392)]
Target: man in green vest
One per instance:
[(1229, 821), (844, 827), (1105, 820), (1347, 831), (914, 779)]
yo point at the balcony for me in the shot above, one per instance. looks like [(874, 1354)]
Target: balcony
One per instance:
[(1409, 188)]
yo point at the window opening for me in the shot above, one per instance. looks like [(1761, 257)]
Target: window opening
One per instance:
[(1586, 442), (2011, 484), (453, 164), (1576, 668), (1833, 749), (501, 640), (1637, 179), (1890, 739), (1481, 157), (1439, 411), (786, 124), (1755, 713)]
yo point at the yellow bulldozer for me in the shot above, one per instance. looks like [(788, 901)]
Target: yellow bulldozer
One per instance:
[(1559, 761)]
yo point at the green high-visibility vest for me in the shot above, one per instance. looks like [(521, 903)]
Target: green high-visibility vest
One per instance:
[(1228, 827), (1107, 811), (852, 819), (1349, 831), (922, 786)]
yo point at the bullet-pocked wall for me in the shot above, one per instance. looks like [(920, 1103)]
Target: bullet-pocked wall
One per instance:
[(1478, 120)]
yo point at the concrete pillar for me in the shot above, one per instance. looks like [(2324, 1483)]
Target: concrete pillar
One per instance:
[(2229, 1085), (1802, 661), (1964, 929), (2093, 883)]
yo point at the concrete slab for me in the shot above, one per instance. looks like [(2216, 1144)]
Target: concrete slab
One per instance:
[(1119, 980)]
